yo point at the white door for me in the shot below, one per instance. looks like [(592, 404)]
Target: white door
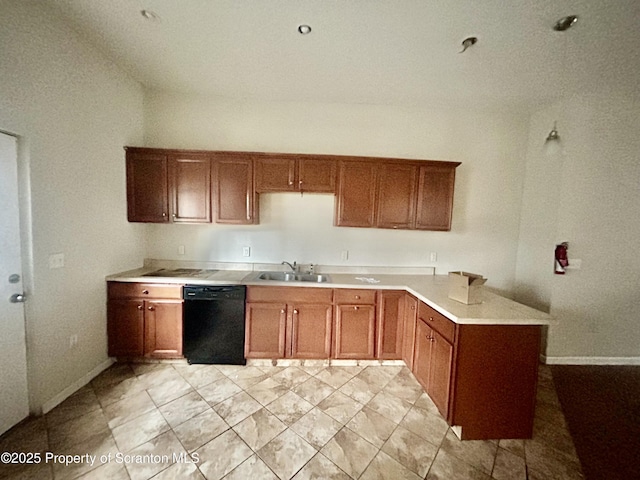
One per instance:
[(14, 400)]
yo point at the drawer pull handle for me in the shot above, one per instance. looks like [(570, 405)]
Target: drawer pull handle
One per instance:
[(431, 339), (357, 297), (295, 311), (356, 308), (283, 311), (140, 307), (151, 308), (145, 292), (431, 319)]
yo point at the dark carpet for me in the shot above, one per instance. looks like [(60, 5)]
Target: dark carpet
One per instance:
[(601, 405)]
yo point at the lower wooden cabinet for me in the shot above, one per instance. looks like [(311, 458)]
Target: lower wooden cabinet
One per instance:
[(144, 320), (391, 306), (283, 322), (355, 327), (409, 329)]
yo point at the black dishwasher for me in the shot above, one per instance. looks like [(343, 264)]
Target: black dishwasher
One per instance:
[(214, 324)]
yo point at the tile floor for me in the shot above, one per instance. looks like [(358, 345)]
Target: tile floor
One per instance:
[(276, 423)]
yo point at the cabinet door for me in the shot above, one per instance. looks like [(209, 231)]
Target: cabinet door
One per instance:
[(163, 328), (190, 189), (390, 323), (276, 175), (311, 331), (125, 327), (435, 198), (147, 188), (422, 357), (409, 332), (440, 372), (355, 205), (316, 175), (265, 330), (396, 196), (355, 331), (234, 195)]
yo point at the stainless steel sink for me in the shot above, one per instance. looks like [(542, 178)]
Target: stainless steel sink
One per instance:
[(294, 277)]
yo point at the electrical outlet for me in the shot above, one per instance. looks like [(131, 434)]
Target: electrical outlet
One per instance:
[(433, 257), (344, 255), (56, 260), (246, 251), (73, 340), (180, 249)]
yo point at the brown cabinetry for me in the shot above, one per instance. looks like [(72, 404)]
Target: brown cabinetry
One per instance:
[(355, 324), (164, 188), (391, 306), (396, 202), (435, 198), (288, 173), (409, 331), (355, 205), (144, 320), (283, 322), (235, 198)]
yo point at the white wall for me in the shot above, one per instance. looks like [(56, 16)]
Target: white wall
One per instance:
[(588, 197), (490, 145), (73, 111)]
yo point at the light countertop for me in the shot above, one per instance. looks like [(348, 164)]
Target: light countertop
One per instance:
[(431, 289)]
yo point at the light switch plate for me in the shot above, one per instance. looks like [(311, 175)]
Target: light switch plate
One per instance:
[(246, 251), (56, 260)]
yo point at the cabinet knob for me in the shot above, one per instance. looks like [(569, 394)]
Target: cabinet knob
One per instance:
[(174, 215), (295, 311), (357, 297), (290, 182), (283, 311), (164, 214), (145, 292), (140, 307), (413, 307), (151, 308), (431, 319), (430, 338), (356, 308)]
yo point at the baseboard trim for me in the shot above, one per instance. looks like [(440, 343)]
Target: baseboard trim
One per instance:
[(75, 386), (590, 360)]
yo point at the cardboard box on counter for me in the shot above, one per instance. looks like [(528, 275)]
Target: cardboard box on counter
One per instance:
[(466, 287)]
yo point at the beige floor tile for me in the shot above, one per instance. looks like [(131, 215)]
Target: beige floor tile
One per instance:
[(427, 404), (551, 462), (114, 374), (509, 466), (291, 377), (111, 393), (77, 430), (98, 445), (478, 453), (139, 430), (247, 376), (340, 407), (388, 406), (359, 390), (37, 471), (404, 386), (80, 403), (252, 469), (289, 408), (383, 467), (410, 450), (320, 468), (222, 455), (372, 426), (127, 409), (170, 390), (159, 376), (235, 409), (447, 467), (431, 427), (337, 376), (267, 391), (350, 452), (316, 427), (259, 429), (286, 454), (514, 446), (199, 375), (180, 471), (554, 436), (30, 435), (182, 409), (200, 429), (109, 470), (314, 390), (219, 391), (165, 449)]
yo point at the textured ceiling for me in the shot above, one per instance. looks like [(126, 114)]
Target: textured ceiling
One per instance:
[(368, 51)]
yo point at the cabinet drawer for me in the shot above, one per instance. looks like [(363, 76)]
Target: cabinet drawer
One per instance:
[(289, 294), (437, 321), (144, 290), (355, 297)]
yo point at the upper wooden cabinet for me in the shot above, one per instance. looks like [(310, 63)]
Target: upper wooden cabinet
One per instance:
[(147, 187), (196, 186), (435, 198), (235, 198), (396, 202), (287, 173), (355, 205), (164, 188)]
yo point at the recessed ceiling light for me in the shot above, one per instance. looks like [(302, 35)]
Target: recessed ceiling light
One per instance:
[(304, 29), (149, 15)]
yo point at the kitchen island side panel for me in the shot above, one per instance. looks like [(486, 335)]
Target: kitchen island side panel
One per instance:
[(495, 381)]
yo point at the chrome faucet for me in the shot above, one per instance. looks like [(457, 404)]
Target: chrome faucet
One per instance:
[(294, 267)]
